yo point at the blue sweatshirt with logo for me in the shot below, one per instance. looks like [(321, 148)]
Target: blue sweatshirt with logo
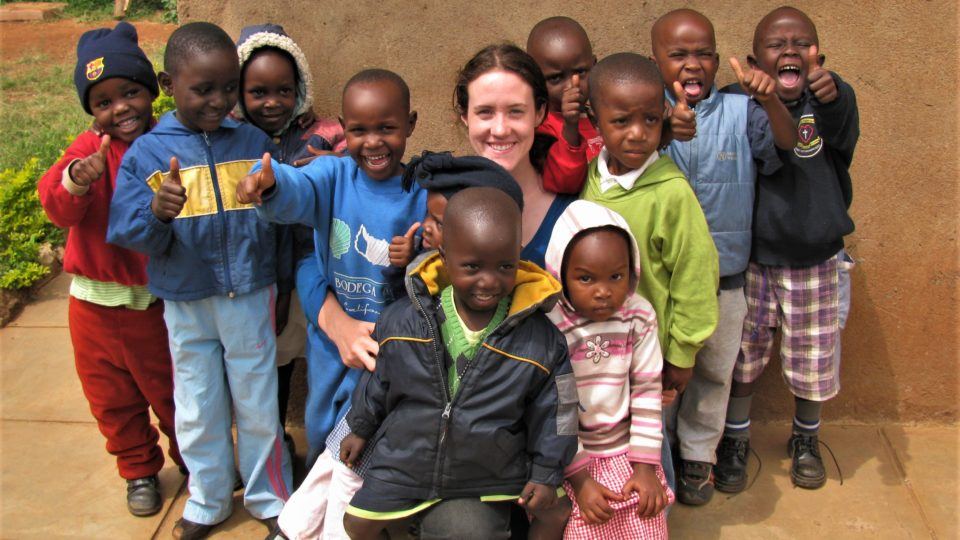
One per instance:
[(354, 218)]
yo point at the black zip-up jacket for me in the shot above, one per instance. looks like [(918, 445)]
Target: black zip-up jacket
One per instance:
[(513, 420), (800, 211)]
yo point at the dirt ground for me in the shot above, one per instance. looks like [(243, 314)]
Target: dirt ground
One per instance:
[(58, 38)]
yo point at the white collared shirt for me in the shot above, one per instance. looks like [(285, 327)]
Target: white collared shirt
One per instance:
[(626, 180)]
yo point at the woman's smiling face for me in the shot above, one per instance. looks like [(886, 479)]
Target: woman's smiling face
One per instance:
[(502, 118)]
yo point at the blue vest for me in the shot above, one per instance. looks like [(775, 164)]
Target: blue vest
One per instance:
[(719, 165)]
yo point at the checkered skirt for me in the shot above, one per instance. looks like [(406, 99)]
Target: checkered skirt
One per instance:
[(613, 472)]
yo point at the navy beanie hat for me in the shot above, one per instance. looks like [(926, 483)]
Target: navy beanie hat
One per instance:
[(104, 54), (447, 174)]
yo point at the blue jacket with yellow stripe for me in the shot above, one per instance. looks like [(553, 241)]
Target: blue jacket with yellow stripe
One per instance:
[(216, 246)]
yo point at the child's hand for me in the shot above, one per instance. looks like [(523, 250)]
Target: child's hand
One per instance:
[(668, 397), (314, 155), (306, 119), (350, 448), (646, 485), (89, 169), (352, 337), (536, 497), (819, 80), (676, 378), (592, 498), (755, 82), (282, 312), (401, 247), (571, 105), (171, 197), (683, 119), (251, 188)]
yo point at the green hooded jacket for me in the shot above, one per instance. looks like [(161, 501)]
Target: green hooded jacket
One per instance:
[(680, 266)]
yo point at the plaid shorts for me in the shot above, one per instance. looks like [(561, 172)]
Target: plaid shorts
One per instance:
[(803, 303)]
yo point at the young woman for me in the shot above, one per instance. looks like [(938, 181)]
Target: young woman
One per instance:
[(501, 97)]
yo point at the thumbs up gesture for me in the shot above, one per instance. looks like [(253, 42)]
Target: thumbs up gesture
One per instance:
[(572, 103), (755, 82), (401, 247), (251, 188), (819, 80), (683, 119), (89, 169), (170, 198)]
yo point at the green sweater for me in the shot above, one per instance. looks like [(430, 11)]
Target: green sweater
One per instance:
[(678, 259)]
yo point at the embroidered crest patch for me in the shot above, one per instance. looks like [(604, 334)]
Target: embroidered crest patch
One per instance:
[(808, 141), (94, 69)]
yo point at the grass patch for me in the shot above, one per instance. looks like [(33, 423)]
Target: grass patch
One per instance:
[(40, 115)]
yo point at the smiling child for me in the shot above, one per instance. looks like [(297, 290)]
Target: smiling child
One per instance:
[(334, 196), (469, 346), (116, 325), (214, 264)]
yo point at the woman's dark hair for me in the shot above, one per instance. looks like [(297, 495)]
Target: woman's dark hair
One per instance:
[(513, 59), (506, 57)]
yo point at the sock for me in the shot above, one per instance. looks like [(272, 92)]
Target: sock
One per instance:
[(806, 421), (737, 425)]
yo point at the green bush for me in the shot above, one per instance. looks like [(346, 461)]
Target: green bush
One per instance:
[(25, 227)]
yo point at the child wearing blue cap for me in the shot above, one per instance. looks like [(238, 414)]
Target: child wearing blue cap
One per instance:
[(116, 325)]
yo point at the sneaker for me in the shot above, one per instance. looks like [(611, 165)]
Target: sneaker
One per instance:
[(694, 484), (730, 472), (807, 470), (143, 496), (184, 529)]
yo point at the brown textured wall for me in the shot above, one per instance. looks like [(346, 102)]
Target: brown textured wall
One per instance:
[(900, 346)]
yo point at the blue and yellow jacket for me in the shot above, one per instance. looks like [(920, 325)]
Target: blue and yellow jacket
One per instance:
[(216, 246)]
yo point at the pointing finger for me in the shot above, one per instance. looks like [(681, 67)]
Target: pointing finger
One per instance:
[(735, 64), (412, 231), (175, 171), (678, 92), (575, 80)]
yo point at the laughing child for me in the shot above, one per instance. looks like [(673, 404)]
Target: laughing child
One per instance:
[(472, 402), (799, 222), (213, 262), (116, 324), (615, 480), (678, 257), (563, 51), (733, 137), (334, 196)]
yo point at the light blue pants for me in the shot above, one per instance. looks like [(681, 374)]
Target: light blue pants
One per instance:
[(224, 352)]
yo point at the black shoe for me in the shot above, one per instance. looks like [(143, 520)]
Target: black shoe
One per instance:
[(694, 485), (184, 529), (143, 496), (807, 470), (730, 472), (273, 528)]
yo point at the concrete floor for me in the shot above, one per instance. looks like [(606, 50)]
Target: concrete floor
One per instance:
[(57, 481)]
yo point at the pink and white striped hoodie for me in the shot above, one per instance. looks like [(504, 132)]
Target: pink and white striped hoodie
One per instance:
[(617, 363)]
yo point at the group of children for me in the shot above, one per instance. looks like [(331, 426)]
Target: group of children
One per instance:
[(451, 382)]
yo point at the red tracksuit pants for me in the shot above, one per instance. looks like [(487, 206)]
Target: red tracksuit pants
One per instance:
[(123, 360)]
